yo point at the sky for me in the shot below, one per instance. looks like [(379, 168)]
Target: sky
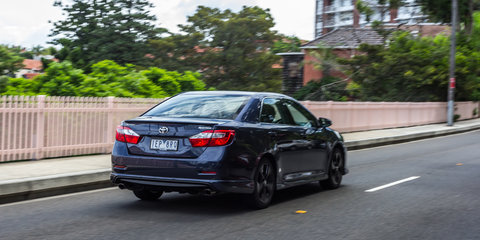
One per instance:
[(26, 22)]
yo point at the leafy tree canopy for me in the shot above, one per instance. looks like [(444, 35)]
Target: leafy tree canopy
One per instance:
[(441, 11), (327, 89), (96, 30), (59, 79), (177, 52), (286, 44), (232, 50), (414, 69), (367, 7), (107, 78), (10, 61), (17, 86)]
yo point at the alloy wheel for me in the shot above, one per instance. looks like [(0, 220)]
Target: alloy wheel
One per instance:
[(264, 182)]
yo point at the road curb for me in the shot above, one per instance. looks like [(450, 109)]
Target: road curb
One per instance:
[(383, 141), (36, 187)]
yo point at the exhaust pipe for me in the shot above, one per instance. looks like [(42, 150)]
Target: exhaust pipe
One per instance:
[(121, 186), (208, 192)]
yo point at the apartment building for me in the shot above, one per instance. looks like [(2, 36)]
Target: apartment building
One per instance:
[(333, 14)]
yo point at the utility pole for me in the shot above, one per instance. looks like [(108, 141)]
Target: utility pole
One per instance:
[(453, 46)]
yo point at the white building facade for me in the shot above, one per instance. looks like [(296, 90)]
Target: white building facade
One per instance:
[(332, 14)]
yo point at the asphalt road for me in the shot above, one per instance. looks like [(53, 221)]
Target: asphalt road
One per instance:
[(442, 202)]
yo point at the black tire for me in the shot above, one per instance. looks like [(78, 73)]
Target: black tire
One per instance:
[(264, 185), (147, 195), (335, 174)]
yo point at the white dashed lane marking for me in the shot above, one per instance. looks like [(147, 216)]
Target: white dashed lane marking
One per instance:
[(392, 184)]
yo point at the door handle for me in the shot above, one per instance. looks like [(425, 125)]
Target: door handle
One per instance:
[(309, 131), (272, 134)]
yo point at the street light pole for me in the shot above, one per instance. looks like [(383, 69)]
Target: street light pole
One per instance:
[(453, 45)]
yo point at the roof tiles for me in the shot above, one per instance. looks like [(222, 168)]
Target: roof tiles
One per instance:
[(350, 38), (32, 64)]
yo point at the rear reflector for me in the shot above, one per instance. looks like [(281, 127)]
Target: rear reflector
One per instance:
[(211, 138), (126, 134)]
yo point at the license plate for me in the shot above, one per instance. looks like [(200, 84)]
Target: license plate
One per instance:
[(164, 145)]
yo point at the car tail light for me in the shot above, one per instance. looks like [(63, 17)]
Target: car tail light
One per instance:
[(212, 138), (126, 134)]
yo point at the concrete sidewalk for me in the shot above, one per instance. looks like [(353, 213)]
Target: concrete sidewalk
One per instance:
[(33, 179)]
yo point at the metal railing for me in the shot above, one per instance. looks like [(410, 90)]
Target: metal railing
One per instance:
[(333, 8)]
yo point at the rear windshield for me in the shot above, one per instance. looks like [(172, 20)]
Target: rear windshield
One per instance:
[(200, 106)]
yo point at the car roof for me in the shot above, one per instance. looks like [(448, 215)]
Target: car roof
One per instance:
[(240, 93)]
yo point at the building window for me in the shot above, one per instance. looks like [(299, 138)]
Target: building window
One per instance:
[(346, 17)]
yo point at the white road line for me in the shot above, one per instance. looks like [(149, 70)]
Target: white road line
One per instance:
[(392, 184), (58, 196)]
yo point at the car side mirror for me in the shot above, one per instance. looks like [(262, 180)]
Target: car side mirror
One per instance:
[(325, 122)]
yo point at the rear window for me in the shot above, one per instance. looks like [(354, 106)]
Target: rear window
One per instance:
[(200, 106)]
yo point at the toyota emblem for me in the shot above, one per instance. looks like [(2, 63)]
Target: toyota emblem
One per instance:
[(163, 130)]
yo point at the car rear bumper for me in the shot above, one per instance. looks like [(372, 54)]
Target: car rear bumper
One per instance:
[(182, 184)]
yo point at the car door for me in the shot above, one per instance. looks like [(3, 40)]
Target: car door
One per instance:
[(274, 122), (310, 157)]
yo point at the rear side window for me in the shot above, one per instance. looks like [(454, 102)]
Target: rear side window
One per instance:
[(271, 111), (200, 106)]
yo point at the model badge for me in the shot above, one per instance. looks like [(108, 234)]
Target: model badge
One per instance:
[(163, 130)]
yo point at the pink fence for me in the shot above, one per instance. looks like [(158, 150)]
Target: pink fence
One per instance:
[(45, 127), (359, 116)]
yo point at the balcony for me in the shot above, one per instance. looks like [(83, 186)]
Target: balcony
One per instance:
[(329, 23), (332, 23), (335, 9)]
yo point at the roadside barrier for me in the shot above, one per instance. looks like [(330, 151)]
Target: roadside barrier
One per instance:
[(36, 127)]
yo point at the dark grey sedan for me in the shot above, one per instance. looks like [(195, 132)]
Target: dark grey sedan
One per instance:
[(222, 141)]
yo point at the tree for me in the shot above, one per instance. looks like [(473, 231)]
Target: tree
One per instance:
[(286, 44), (119, 81), (177, 52), (190, 81), (383, 6), (18, 86), (9, 61), (415, 69), (37, 50), (327, 89), (59, 79), (173, 82), (233, 49), (441, 11), (96, 30), (366, 7), (107, 78), (324, 59), (3, 83), (166, 80)]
